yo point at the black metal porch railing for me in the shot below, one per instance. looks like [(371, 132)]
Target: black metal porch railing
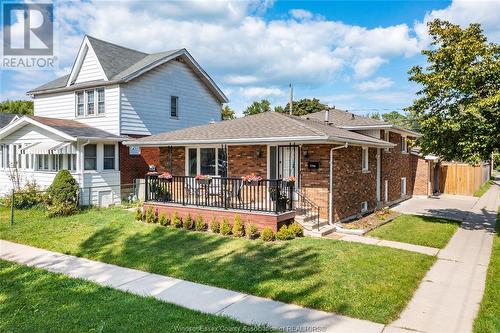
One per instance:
[(267, 195), (307, 208)]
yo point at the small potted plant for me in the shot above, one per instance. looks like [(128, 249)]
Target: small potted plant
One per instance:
[(167, 176), (251, 180), (203, 179), (289, 181), (152, 171)]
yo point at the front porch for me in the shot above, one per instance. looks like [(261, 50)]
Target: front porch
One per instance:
[(263, 202)]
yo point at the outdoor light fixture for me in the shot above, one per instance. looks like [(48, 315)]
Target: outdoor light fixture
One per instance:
[(258, 152), (305, 152)]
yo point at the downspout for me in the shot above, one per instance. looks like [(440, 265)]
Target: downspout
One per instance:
[(330, 190), (82, 161)]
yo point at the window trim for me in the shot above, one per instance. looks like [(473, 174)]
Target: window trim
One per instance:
[(91, 157), (404, 144), (387, 137), (198, 159), (86, 104), (172, 97), (365, 159), (104, 158)]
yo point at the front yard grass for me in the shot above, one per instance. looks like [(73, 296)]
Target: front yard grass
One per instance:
[(488, 319), (34, 300), (363, 281), (418, 230)]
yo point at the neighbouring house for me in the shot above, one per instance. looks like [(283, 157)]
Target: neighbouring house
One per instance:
[(321, 168), (112, 94), (7, 118)]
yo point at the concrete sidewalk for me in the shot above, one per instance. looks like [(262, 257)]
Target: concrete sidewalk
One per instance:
[(242, 307), (449, 296), (431, 251)]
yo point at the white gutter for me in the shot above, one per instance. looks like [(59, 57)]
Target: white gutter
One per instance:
[(330, 189)]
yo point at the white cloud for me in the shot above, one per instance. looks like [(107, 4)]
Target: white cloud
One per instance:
[(378, 83), (260, 92), (301, 14), (367, 66), (465, 12)]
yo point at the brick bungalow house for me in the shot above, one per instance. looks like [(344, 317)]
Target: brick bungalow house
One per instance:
[(343, 165)]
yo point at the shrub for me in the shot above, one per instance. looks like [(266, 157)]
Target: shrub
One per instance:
[(251, 231), (187, 223), (62, 195), (267, 234), (199, 225), (176, 221), (150, 215), (225, 227), (284, 233), (296, 229), (27, 197), (138, 213), (162, 220), (215, 226), (238, 228)]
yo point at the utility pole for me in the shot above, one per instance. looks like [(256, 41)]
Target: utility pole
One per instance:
[(291, 99)]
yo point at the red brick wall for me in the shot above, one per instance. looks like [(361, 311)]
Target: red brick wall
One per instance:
[(351, 185), (133, 167), (260, 220), (178, 162), (315, 183), (396, 165), (242, 160), (421, 177)]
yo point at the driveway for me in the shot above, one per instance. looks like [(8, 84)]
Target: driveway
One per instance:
[(452, 207)]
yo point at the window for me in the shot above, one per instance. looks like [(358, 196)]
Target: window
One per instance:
[(364, 206), (4, 152), (192, 162), (72, 162), (109, 157), (206, 161), (174, 106), (403, 186), (90, 102), (90, 157), (100, 101), (80, 104), (43, 162), (388, 139), (57, 162), (404, 144), (364, 159)]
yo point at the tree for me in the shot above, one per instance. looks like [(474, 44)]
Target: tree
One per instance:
[(304, 106), (279, 109), (258, 107), (458, 108), (227, 113), (17, 107)]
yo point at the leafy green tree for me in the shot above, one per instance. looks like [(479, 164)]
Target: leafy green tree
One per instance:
[(17, 107), (227, 113), (304, 106), (258, 107), (374, 115), (458, 108), (279, 108)]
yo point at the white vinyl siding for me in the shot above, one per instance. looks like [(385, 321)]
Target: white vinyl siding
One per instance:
[(146, 100), (90, 69), (63, 105)]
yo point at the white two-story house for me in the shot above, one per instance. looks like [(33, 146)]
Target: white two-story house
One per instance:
[(112, 93)]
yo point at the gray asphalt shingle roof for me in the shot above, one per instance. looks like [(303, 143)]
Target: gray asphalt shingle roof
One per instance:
[(116, 61), (344, 118), (6, 118), (268, 125), (74, 128)]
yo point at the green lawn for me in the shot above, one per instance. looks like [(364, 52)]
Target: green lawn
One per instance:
[(369, 282), (419, 230), (483, 189), (33, 300), (488, 319)]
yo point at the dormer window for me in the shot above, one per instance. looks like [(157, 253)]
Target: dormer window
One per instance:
[(90, 102)]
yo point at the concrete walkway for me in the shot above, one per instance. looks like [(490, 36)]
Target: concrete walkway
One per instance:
[(448, 298), (242, 307), (431, 251)]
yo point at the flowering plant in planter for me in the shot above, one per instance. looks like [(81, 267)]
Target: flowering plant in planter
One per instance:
[(203, 179), (290, 180), (251, 179), (152, 173), (167, 176)]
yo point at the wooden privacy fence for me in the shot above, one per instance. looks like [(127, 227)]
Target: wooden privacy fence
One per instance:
[(461, 178)]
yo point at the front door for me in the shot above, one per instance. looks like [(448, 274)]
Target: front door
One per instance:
[(284, 161)]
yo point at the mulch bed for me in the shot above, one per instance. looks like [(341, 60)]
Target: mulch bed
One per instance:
[(370, 222)]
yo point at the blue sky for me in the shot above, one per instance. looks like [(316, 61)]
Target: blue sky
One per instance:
[(351, 54)]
